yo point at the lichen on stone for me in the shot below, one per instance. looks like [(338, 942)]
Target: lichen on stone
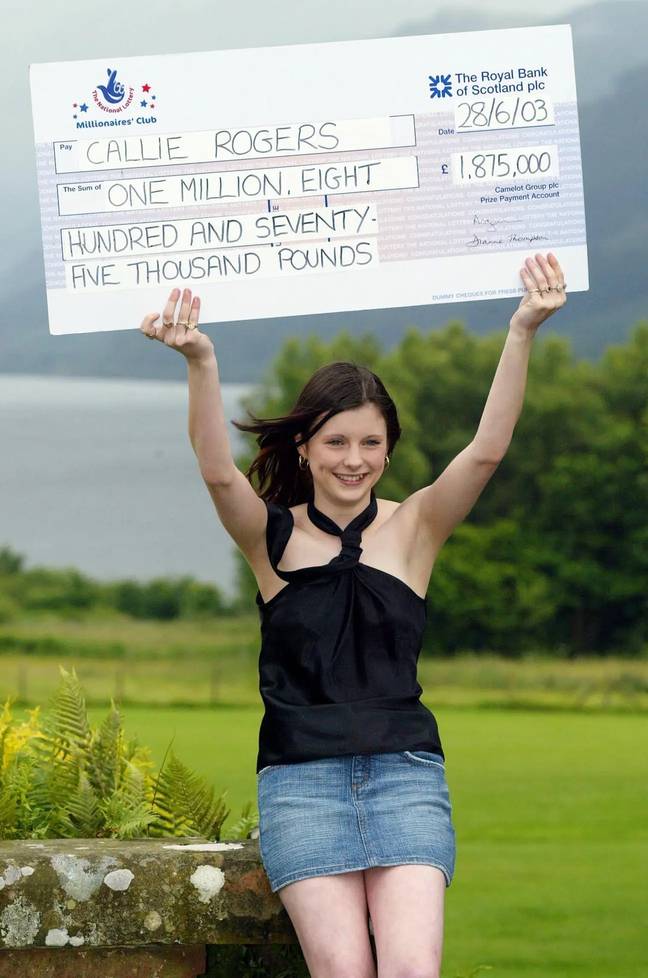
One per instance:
[(11, 875), (208, 880), (206, 846), (19, 923), (152, 921), (79, 878), (119, 879)]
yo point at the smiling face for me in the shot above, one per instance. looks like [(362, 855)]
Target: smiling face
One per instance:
[(351, 443)]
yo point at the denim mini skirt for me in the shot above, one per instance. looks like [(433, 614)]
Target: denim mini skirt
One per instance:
[(338, 814)]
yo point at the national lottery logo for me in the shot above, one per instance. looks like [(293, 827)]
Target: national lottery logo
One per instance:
[(114, 97), (440, 86)]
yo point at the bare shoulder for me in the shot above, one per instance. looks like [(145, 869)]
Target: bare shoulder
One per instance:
[(398, 516)]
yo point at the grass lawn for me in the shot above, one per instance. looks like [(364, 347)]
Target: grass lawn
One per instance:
[(551, 813), (546, 759)]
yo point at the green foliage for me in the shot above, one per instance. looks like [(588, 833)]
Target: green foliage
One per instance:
[(554, 555), (555, 552), (59, 778), (10, 562), (491, 590), (167, 598), (69, 593), (9, 609)]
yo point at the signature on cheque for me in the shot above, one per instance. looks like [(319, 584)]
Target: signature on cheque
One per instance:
[(491, 223)]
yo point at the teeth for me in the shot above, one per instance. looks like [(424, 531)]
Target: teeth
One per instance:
[(343, 478)]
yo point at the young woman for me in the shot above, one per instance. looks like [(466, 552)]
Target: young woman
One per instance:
[(355, 818)]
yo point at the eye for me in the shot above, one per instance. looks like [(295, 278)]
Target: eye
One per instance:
[(336, 441)]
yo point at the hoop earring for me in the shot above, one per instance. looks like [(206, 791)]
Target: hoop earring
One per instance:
[(386, 461), (304, 460)]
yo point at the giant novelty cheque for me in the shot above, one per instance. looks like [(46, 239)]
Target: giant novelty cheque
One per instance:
[(289, 180)]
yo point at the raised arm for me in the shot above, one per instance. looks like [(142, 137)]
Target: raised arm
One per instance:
[(241, 511), (449, 499)]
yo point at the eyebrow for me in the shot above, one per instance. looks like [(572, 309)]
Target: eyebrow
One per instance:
[(334, 435)]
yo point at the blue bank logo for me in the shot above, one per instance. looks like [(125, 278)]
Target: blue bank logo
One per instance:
[(440, 86)]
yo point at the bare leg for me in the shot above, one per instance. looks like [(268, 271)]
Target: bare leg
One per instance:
[(330, 917), (406, 904)]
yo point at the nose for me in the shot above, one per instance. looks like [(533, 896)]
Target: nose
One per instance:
[(353, 460)]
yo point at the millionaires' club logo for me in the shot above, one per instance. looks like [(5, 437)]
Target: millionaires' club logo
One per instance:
[(115, 97), (440, 86)]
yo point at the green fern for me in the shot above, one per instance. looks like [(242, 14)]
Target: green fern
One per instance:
[(185, 804), (83, 810), (59, 778), (242, 828), (103, 755), (8, 811), (66, 725)]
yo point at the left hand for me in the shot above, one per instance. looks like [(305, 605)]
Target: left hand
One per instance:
[(544, 274)]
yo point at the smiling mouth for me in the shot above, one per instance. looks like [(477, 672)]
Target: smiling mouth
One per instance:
[(350, 480)]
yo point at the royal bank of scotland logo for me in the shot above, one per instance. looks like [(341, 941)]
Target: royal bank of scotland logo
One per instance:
[(440, 86)]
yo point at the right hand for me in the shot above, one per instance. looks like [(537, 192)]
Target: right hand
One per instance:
[(193, 344)]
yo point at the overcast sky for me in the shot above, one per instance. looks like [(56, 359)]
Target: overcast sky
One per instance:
[(80, 29), (40, 31)]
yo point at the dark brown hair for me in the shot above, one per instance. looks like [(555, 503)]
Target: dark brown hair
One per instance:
[(335, 387)]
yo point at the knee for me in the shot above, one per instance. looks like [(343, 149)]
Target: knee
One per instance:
[(343, 972), (342, 969), (412, 971)]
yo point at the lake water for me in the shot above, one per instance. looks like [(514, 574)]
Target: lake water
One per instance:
[(100, 475)]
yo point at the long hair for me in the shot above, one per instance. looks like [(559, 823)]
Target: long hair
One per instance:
[(333, 388)]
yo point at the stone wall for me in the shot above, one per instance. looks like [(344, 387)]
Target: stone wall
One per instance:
[(143, 908)]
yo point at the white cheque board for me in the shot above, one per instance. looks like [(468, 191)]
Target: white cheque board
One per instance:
[(290, 180)]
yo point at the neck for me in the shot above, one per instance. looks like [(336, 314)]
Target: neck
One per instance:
[(340, 511)]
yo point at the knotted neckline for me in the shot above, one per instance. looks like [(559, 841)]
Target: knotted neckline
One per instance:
[(351, 534)]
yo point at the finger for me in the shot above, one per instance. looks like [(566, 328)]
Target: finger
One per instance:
[(537, 274), (175, 330), (194, 312), (185, 306), (555, 264), (548, 270), (529, 281), (185, 334), (168, 313), (147, 326)]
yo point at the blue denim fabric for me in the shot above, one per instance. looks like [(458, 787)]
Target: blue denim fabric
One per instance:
[(338, 814)]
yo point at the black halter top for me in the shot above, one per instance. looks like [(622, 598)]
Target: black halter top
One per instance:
[(339, 653), (352, 533)]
